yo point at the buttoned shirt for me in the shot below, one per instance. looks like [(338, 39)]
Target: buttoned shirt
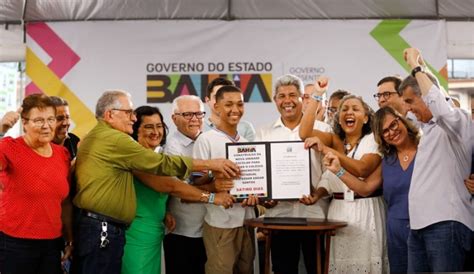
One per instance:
[(189, 216), (104, 165), (437, 191)]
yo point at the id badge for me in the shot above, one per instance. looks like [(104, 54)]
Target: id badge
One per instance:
[(349, 196)]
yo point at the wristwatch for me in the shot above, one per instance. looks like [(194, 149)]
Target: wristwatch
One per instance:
[(416, 70)]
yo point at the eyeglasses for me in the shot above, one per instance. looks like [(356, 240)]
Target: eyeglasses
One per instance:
[(40, 122), (152, 127), (385, 95), (190, 115), (392, 127), (128, 112)]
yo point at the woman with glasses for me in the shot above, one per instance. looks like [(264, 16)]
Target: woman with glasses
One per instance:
[(142, 252), (35, 212), (398, 140)]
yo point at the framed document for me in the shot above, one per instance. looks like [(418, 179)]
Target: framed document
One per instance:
[(271, 170)]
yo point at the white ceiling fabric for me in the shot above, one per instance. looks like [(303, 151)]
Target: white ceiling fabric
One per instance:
[(460, 33)]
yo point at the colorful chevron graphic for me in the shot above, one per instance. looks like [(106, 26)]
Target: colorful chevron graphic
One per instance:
[(47, 78), (387, 34)]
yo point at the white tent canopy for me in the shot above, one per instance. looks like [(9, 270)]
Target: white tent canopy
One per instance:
[(77, 10), (13, 13)]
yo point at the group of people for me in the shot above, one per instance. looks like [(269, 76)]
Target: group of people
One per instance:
[(400, 178)]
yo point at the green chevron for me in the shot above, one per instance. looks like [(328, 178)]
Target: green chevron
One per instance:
[(387, 34)]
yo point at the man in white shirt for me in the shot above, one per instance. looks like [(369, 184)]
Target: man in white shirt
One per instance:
[(184, 247), (441, 208), (286, 245), (229, 245)]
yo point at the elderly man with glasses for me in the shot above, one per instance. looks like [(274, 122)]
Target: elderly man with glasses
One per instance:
[(184, 247)]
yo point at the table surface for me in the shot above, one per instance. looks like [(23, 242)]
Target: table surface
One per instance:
[(311, 224)]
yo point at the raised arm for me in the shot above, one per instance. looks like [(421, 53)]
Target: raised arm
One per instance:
[(309, 116), (9, 120), (362, 187)]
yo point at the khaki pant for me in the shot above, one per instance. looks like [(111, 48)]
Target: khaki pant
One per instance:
[(229, 250)]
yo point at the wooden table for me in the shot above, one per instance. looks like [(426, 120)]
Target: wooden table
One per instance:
[(320, 226)]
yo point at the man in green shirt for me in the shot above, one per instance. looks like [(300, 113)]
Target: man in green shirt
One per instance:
[(105, 192)]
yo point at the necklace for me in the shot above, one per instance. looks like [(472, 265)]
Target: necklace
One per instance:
[(348, 148), (405, 158)]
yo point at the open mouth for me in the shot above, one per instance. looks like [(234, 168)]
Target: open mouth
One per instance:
[(350, 122)]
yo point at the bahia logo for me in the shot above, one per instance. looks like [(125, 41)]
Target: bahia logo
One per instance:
[(164, 88)]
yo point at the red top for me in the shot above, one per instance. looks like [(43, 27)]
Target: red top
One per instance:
[(33, 190)]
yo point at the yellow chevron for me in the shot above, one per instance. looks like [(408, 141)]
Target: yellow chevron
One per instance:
[(48, 82)]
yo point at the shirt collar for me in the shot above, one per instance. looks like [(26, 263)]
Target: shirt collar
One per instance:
[(279, 123), (183, 139)]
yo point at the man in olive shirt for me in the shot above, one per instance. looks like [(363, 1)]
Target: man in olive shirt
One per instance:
[(105, 191)]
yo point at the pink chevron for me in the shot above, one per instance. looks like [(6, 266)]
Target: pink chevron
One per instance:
[(63, 57)]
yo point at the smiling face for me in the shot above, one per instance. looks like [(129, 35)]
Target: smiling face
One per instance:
[(122, 119), (230, 108), (289, 103), (394, 131), (63, 122), (150, 131), (189, 127), (352, 116), (39, 125)]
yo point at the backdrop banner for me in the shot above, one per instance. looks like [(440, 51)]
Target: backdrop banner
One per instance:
[(156, 61)]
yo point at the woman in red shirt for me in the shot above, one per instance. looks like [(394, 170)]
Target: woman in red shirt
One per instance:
[(34, 208)]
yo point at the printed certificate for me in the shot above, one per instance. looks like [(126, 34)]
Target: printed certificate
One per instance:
[(271, 170)]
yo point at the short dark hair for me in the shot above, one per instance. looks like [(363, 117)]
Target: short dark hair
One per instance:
[(339, 94), (220, 81), (148, 111), (396, 80), (58, 101), (38, 100), (226, 89)]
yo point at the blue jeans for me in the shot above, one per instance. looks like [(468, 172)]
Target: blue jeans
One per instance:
[(397, 236), (25, 256), (440, 247), (89, 257)]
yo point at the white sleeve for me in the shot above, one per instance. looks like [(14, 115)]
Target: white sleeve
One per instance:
[(331, 183), (456, 122), (202, 148)]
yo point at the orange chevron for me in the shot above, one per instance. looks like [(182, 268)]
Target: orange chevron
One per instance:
[(48, 82)]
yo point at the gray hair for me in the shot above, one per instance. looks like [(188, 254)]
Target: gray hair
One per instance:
[(176, 101), (411, 81), (58, 101), (109, 100), (289, 80)]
